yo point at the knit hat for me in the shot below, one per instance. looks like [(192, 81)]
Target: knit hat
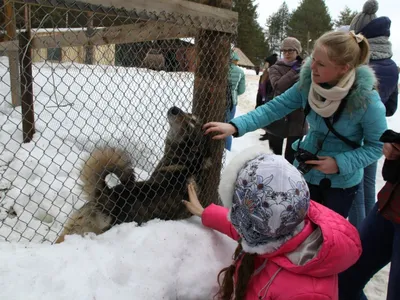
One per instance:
[(272, 59), (234, 55), (343, 28), (367, 15), (268, 199), (291, 43)]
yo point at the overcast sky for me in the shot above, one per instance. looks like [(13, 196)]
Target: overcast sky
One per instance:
[(388, 8)]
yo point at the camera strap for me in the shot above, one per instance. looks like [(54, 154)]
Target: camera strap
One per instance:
[(344, 139), (334, 119)]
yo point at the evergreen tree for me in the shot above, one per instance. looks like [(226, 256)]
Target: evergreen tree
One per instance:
[(345, 17), (250, 39), (277, 27), (309, 21)]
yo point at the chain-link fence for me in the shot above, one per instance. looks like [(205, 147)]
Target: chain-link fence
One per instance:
[(89, 90)]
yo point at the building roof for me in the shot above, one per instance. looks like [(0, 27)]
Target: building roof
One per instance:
[(243, 59)]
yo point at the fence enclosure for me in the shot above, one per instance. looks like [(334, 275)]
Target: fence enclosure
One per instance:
[(79, 75)]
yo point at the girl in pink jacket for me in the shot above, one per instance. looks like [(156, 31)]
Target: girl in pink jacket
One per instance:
[(290, 248)]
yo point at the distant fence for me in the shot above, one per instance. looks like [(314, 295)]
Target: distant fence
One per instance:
[(76, 76)]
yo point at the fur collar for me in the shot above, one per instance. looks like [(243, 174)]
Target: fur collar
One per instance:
[(364, 84)]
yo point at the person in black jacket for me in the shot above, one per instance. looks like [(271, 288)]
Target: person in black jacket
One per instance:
[(379, 232), (265, 90), (377, 31)]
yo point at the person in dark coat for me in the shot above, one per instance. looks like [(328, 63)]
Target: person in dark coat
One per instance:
[(283, 75), (377, 31), (265, 91), (379, 232)]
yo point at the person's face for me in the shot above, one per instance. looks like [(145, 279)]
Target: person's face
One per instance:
[(289, 54), (323, 69), (235, 62)]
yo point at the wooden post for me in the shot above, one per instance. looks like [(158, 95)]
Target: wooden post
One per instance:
[(209, 99), (13, 59), (28, 117), (89, 53)]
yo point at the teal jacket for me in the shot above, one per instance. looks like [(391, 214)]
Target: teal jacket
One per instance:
[(237, 81), (362, 121)]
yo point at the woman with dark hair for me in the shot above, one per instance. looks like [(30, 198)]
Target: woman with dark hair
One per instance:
[(265, 90)]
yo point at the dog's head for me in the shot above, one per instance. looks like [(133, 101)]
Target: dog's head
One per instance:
[(183, 126)]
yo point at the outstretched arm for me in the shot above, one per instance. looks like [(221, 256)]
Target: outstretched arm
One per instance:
[(214, 216)]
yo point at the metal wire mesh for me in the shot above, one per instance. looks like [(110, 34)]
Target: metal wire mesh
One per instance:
[(88, 91)]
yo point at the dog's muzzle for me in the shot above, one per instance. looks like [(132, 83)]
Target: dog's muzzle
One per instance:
[(174, 111)]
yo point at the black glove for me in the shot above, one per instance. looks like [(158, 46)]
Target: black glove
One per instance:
[(390, 136)]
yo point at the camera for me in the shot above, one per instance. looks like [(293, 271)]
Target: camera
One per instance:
[(302, 156)]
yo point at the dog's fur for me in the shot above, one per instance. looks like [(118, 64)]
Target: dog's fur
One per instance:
[(185, 158)]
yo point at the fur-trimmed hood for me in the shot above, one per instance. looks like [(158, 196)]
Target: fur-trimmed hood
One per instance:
[(230, 173), (364, 84), (268, 199)]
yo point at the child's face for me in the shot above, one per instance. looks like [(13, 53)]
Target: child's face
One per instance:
[(323, 69)]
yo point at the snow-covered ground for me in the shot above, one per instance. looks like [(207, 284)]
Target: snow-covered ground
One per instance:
[(76, 108), (80, 107)]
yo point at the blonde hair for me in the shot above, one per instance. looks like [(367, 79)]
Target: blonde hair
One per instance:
[(345, 48)]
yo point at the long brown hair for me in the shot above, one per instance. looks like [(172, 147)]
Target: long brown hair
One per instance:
[(227, 286)]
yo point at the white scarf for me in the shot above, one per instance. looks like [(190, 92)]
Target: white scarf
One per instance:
[(333, 96)]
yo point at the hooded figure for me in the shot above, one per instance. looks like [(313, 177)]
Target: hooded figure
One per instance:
[(377, 31)]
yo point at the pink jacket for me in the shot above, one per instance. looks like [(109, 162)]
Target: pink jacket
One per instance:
[(305, 267)]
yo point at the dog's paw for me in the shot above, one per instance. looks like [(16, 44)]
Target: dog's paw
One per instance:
[(207, 163), (192, 180)]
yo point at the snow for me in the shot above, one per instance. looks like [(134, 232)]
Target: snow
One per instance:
[(161, 260), (77, 107), (80, 107)]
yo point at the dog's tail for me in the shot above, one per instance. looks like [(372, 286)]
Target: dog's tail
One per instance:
[(91, 216), (102, 162)]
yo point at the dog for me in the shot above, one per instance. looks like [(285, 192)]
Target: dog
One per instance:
[(185, 159)]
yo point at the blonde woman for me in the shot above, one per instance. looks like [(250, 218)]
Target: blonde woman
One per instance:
[(345, 114)]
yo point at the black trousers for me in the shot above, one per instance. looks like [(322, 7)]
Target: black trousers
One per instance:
[(276, 145)]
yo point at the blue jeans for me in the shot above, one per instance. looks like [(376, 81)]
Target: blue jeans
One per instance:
[(337, 199), (366, 197), (380, 239), (229, 116)]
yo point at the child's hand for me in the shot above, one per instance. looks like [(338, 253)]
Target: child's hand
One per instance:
[(193, 205), (325, 164), (224, 129)]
